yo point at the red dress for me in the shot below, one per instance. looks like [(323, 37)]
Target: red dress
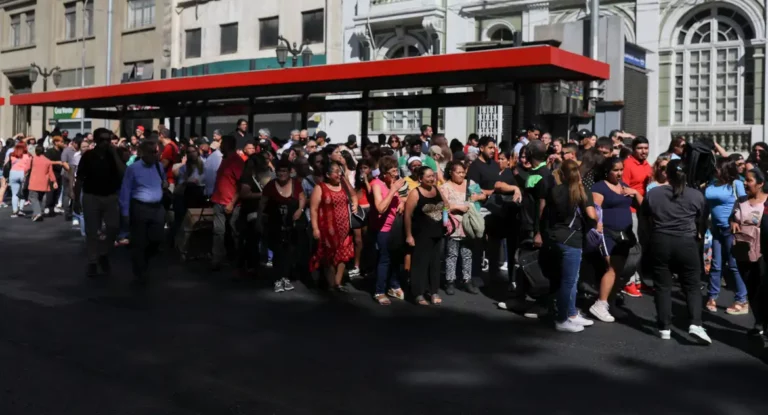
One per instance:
[(335, 245)]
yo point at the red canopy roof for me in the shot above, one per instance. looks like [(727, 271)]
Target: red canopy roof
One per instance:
[(526, 64)]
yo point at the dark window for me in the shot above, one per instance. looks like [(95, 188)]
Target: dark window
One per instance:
[(194, 43), (312, 26), (228, 38), (268, 32)]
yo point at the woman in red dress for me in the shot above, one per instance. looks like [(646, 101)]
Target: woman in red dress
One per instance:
[(329, 209)]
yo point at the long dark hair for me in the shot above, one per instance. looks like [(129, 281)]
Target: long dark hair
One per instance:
[(727, 170), (591, 160), (569, 174), (677, 177)]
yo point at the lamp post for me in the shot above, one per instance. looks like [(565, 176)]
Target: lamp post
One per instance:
[(34, 71), (284, 47)]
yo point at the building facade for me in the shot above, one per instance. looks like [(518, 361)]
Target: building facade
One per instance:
[(72, 35), (222, 36), (703, 62)]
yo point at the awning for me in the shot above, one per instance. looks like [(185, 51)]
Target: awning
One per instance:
[(526, 65)]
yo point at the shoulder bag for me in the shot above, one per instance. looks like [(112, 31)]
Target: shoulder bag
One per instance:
[(167, 195)]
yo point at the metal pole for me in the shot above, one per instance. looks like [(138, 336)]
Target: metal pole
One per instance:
[(82, 70), (594, 34), (109, 48), (45, 89)]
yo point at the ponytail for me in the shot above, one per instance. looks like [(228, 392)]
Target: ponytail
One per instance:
[(677, 177)]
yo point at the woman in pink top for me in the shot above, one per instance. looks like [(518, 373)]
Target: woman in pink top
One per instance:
[(40, 179), (387, 206), (20, 162)]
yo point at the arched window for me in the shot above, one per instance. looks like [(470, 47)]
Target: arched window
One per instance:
[(709, 67), (405, 51), (501, 34)]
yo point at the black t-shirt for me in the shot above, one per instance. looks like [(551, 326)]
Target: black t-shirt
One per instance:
[(256, 182), (675, 217), (242, 140), (564, 223), (537, 186), (484, 174), (98, 172), (54, 154)]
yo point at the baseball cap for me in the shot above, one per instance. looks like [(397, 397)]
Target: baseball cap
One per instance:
[(321, 134), (584, 133), (202, 140)]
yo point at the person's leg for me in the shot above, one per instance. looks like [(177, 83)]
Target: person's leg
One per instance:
[(662, 275), (3, 189), (383, 267), (219, 234), (729, 262), (420, 261), (35, 199), (715, 270), (566, 294), (233, 221), (139, 238), (358, 247), (15, 179), (451, 259), (66, 201), (689, 272), (750, 273), (761, 313), (465, 252), (435, 265), (111, 214), (155, 229)]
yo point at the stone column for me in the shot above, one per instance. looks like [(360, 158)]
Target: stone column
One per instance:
[(647, 15), (458, 30)]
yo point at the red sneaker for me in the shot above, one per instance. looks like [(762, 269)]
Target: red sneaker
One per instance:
[(632, 290), (641, 288)]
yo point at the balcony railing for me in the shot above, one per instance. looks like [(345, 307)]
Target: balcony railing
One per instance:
[(731, 141)]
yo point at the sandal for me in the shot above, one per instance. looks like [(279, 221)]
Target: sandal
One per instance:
[(420, 300), (738, 309), (436, 300), (382, 299), (396, 293), (712, 305)]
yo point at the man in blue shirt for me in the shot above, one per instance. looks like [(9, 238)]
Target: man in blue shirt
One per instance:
[(210, 168), (141, 203)]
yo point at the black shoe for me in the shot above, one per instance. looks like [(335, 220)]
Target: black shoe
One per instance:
[(470, 287), (450, 288), (93, 271), (106, 268)]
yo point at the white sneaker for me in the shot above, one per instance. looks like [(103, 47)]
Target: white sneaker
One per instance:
[(569, 326), (504, 267), (581, 320), (600, 310), (279, 287), (58, 210), (354, 272), (665, 334), (700, 333), (47, 211), (75, 222)]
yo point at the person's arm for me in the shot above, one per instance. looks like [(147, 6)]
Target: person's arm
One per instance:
[(125, 193), (314, 205), (410, 206), (247, 194), (350, 190), (537, 221), (517, 195), (382, 203), (302, 202), (52, 177), (720, 150), (118, 161)]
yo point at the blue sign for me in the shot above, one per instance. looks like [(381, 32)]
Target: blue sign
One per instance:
[(634, 56)]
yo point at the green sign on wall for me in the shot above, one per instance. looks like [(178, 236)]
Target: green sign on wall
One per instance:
[(66, 113)]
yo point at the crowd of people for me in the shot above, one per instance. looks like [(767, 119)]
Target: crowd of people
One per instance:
[(423, 216)]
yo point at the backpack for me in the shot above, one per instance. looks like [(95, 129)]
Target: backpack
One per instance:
[(699, 161), (746, 242), (473, 223)]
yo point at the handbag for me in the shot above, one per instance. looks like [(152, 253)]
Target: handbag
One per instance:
[(356, 219), (167, 195)]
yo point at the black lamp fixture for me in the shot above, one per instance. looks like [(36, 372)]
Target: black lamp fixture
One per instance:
[(284, 47), (35, 71)]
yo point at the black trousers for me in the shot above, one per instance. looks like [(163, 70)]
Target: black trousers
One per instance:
[(66, 201), (680, 254), (756, 279), (147, 227), (426, 260), (52, 197)]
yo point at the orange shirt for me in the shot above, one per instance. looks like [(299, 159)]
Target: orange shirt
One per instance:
[(637, 174), (41, 175)]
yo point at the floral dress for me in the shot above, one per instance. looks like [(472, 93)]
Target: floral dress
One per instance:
[(335, 245)]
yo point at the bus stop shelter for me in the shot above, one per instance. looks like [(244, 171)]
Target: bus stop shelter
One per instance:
[(306, 90)]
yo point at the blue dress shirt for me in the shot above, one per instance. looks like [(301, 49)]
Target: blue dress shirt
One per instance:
[(210, 168), (141, 182)]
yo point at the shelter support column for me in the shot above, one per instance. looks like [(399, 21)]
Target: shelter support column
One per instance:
[(204, 120), (250, 116), (364, 114), (182, 123), (304, 114), (434, 116)]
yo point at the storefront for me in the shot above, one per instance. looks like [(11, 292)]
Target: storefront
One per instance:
[(70, 119)]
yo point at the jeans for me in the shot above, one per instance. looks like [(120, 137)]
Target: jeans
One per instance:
[(387, 269), (681, 254), (221, 220), (98, 210), (16, 180), (566, 295), (34, 198), (722, 241)]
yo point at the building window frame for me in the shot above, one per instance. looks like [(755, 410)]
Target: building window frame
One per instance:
[(88, 19), (15, 31), (140, 14), (189, 53), (29, 19), (262, 27), (230, 48), (708, 70), (70, 20), (308, 17)]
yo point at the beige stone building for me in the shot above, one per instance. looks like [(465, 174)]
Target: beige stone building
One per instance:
[(63, 33)]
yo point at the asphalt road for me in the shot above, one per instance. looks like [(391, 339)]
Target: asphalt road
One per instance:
[(197, 343)]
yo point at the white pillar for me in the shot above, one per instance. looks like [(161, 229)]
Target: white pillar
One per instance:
[(536, 14), (458, 30), (647, 14)]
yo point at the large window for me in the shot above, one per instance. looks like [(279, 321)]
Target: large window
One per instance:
[(407, 120), (228, 38), (268, 32), (709, 68), (138, 71), (141, 13), (194, 43), (71, 78), (30, 27), (15, 30), (501, 34), (313, 26), (88, 10), (70, 20)]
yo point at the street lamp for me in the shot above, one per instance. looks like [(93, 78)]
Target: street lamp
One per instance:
[(35, 71), (284, 46)]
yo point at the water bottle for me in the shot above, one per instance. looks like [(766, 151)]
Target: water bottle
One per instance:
[(445, 216)]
